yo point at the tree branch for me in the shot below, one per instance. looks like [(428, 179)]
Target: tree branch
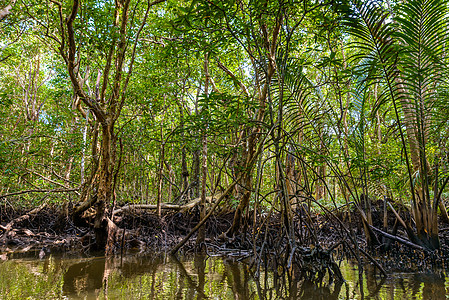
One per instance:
[(397, 239), (234, 78), (71, 65), (187, 206), (39, 191), (6, 11)]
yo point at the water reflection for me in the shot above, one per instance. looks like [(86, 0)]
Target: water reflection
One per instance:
[(83, 276), (200, 277)]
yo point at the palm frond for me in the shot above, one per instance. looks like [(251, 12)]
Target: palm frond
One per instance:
[(422, 28)]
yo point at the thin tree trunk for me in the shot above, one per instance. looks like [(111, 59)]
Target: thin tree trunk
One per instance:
[(184, 170), (321, 170), (202, 231), (160, 178), (83, 154)]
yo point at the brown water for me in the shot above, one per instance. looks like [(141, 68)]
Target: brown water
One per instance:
[(162, 277)]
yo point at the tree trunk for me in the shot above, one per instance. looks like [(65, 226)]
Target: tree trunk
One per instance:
[(109, 98), (321, 170), (195, 184), (184, 170), (290, 177), (102, 228), (202, 231), (160, 178), (245, 189)]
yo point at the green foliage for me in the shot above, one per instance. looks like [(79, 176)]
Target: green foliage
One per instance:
[(345, 73)]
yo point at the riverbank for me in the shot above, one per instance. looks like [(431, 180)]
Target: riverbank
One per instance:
[(50, 229)]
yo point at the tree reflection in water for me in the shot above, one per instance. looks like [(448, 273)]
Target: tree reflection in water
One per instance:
[(198, 277)]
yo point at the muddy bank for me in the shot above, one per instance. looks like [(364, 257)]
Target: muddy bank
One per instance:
[(52, 230)]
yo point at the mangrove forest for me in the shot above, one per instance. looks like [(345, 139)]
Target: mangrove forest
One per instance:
[(289, 135)]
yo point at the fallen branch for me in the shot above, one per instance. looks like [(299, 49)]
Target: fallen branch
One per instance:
[(176, 207), (398, 239), (151, 206)]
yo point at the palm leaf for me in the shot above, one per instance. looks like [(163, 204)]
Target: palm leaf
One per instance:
[(422, 27)]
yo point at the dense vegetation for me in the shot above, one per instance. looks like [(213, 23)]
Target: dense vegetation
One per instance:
[(289, 107)]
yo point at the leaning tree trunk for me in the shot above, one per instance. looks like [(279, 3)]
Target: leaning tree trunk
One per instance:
[(114, 73)]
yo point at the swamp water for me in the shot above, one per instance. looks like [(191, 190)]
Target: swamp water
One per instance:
[(162, 277)]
